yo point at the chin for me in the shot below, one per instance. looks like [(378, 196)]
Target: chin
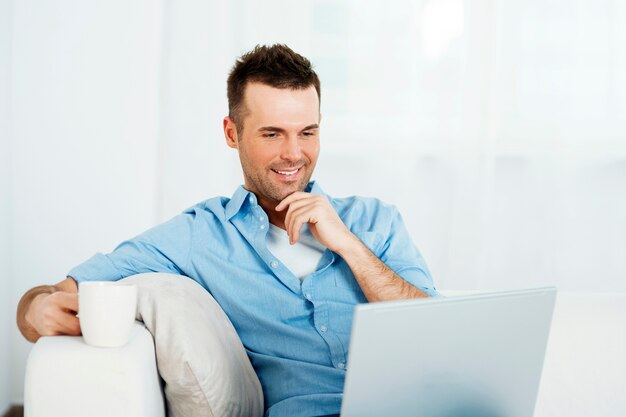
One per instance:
[(284, 192)]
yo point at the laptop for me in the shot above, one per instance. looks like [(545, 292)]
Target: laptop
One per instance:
[(469, 356)]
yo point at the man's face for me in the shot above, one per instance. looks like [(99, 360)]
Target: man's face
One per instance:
[(279, 144)]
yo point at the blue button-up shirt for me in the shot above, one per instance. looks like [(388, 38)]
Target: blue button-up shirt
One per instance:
[(296, 333)]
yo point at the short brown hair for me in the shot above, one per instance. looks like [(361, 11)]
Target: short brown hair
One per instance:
[(277, 66)]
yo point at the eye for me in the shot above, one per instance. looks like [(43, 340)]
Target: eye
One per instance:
[(269, 135), (308, 133)]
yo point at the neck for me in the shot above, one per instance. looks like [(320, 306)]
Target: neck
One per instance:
[(277, 218)]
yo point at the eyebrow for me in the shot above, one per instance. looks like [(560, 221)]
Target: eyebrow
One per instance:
[(280, 129)]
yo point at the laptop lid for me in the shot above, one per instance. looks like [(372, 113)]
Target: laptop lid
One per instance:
[(469, 356)]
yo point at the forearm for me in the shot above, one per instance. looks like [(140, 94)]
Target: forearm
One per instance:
[(377, 281), (23, 308)]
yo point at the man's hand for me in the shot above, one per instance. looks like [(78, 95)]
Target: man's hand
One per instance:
[(49, 311), (376, 279), (321, 217), (54, 314)]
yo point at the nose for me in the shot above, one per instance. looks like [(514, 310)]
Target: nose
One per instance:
[(291, 150)]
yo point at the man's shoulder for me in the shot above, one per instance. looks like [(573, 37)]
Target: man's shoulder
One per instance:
[(213, 204), (210, 209)]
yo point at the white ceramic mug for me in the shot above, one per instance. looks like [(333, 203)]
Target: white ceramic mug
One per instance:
[(106, 311)]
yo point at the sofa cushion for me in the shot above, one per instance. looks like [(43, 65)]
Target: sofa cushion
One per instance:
[(199, 355)]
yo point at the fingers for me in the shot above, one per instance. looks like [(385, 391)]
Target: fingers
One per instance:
[(298, 195), (297, 217), (69, 324), (301, 211), (65, 300), (304, 200), (296, 207), (318, 212), (57, 315)]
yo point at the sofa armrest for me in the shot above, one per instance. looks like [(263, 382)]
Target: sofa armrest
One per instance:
[(67, 378)]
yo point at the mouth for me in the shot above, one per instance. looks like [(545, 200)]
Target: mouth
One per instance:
[(287, 174)]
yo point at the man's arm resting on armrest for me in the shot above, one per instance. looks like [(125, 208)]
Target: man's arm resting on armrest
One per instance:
[(49, 310)]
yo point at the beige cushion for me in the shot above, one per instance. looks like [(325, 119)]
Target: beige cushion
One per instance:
[(199, 355)]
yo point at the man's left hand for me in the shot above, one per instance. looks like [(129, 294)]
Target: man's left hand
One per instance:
[(322, 218)]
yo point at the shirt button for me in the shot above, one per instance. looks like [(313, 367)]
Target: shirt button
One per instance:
[(307, 295), (251, 200), (261, 219), (323, 329), (341, 365), (262, 227), (274, 264)]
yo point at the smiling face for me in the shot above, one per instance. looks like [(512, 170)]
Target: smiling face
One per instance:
[(278, 143)]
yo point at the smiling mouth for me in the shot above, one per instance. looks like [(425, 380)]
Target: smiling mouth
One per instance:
[(287, 173)]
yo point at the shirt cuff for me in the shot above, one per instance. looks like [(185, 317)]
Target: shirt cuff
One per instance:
[(419, 279)]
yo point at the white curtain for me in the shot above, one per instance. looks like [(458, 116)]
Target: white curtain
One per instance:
[(498, 128)]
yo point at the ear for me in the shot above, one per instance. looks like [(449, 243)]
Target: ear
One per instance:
[(230, 133)]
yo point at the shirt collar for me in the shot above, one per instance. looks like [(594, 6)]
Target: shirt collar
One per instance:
[(241, 197)]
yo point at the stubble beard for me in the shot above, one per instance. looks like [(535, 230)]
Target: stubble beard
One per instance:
[(272, 191)]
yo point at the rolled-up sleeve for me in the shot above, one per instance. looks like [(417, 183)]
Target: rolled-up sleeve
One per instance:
[(400, 254)]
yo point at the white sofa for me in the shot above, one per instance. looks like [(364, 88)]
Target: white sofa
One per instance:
[(584, 370), (67, 378)]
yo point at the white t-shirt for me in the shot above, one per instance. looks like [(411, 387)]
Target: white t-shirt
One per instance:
[(301, 258)]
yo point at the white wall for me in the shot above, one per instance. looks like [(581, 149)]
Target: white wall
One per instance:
[(85, 112), (6, 313), (198, 53), (496, 127)]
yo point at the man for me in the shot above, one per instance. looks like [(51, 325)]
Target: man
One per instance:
[(286, 262)]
